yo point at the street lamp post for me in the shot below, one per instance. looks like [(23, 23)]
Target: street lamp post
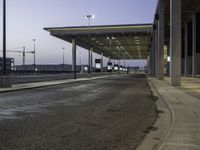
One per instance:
[(34, 64), (5, 81), (89, 28), (4, 38)]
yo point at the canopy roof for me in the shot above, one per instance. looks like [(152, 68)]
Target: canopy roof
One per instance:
[(115, 41)]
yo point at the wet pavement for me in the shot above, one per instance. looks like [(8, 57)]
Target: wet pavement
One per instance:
[(113, 113)]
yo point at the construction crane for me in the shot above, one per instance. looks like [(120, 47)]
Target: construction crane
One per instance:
[(23, 52)]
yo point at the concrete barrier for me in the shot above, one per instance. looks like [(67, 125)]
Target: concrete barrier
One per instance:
[(5, 82)]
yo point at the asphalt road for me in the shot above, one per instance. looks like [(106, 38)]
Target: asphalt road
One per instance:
[(113, 113)]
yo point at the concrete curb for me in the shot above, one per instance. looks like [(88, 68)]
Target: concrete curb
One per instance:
[(155, 139), (171, 111), (35, 85)]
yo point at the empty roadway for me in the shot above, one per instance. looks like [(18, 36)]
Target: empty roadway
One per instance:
[(112, 113)]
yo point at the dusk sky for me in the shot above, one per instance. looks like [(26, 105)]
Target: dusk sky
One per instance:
[(27, 18)]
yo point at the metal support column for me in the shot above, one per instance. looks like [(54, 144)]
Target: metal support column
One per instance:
[(74, 57), (91, 55), (194, 68), (150, 60), (161, 40), (89, 60), (156, 51), (186, 49), (153, 55), (175, 42), (101, 62)]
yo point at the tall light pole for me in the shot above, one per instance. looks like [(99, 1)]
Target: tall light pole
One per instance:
[(63, 59), (34, 64), (89, 28), (4, 38)]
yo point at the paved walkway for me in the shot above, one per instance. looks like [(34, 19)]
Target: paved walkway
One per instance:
[(189, 85), (184, 132)]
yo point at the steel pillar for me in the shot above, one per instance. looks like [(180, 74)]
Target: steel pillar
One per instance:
[(89, 60), (175, 42), (186, 49), (101, 62), (91, 55), (74, 57), (156, 51), (160, 30), (194, 51), (153, 53)]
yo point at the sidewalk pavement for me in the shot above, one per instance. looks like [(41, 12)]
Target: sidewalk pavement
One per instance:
[(184, 129), (189, 85), (25, 86)]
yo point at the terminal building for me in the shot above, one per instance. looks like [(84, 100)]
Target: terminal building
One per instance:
[(176, 33), (171, 44)]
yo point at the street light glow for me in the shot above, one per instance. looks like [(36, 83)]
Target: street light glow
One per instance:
[(89, 28), (89, 16)]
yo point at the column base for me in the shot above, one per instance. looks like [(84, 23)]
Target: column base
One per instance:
[(194, 76), (161, 77), (5, 82), (175, 81)]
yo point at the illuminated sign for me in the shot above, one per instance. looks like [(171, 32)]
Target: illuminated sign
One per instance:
[(98, 66), (85, 68), (168, 59), (109, 66), (115, 68), (120, 68)]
